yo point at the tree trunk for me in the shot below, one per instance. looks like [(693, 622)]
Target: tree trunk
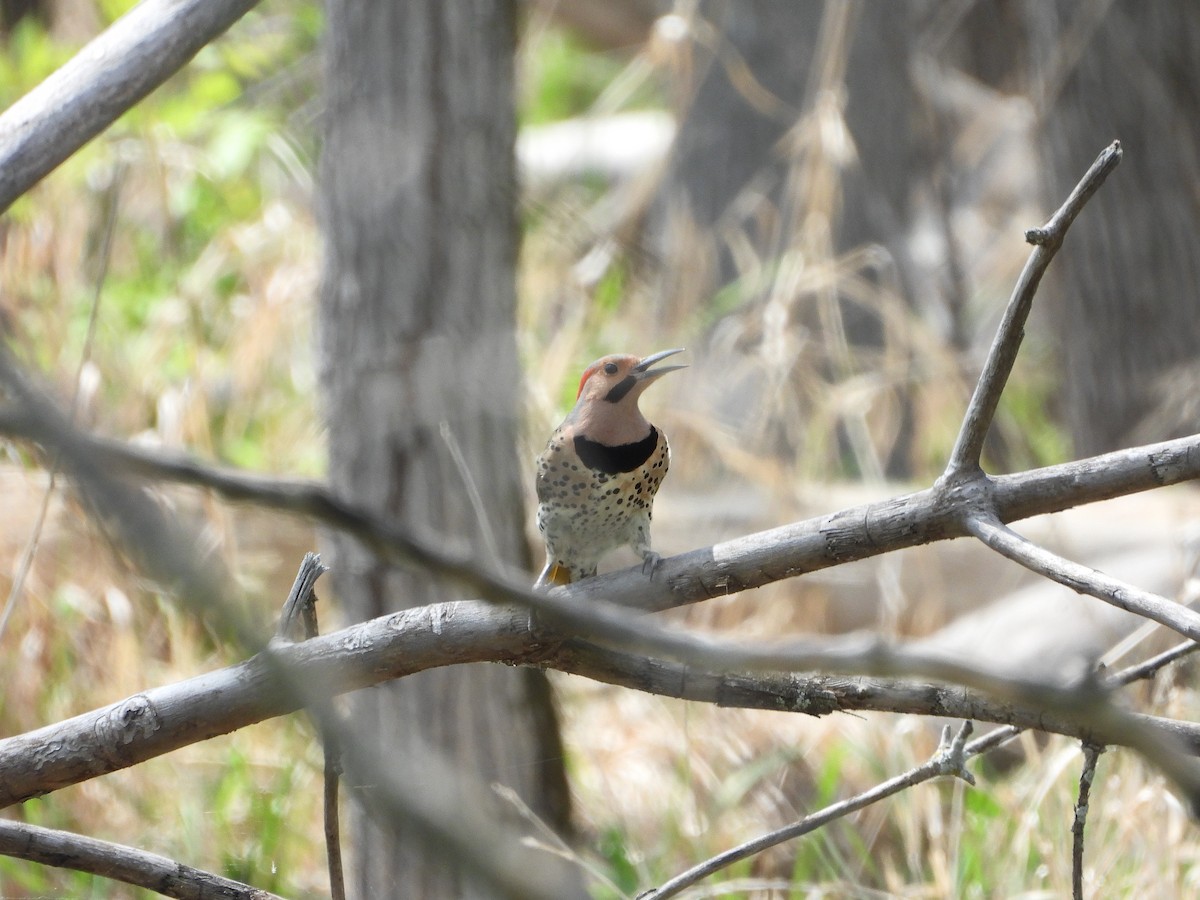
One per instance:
[(1127, 314), (419, 366)]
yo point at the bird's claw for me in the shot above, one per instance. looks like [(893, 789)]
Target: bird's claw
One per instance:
[(650, 563)]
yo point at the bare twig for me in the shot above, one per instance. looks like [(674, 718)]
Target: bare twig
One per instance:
[(948, 760), (1084, 579), (136, 54), (1091, 753), (333, 829), (964, 458), (300, 616), (120, 863), (955, 756), (1150, 667)]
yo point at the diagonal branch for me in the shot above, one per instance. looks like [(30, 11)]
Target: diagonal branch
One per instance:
[(165, 718), (948, 760), (1091, 755), (964, 458), (119, 67), (1084, 579), (751, 561), (130, 865)]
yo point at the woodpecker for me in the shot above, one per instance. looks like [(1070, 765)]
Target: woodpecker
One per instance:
[(598, 475)]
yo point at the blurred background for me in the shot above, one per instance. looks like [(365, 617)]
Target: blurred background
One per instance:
[(825, 203)]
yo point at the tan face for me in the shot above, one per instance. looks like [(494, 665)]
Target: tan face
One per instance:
[(606, 408), (613, 378), (605, 374)]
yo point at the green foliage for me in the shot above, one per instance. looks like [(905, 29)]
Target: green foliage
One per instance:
[(559, 77), (1032, 436), (618, 867), (30, 54)]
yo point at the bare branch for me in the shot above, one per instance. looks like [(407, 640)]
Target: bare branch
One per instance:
[(120, 863), (954, 755), (964, 458), (1150, 667), (747, 562), (165, 718), (1091, 754), (151, 539), (948, 760), (136, 54), (298, 621), (1084, 579)]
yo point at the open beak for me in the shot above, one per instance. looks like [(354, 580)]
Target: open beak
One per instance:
[(642, 371)]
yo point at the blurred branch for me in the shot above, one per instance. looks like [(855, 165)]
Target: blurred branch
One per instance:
[(120, 863), (115, 70), (931, 514), (964, 458), (860, 532), (165, 718), (427, 799)]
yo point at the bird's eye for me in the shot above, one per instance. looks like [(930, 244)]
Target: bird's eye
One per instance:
[(610, 369)]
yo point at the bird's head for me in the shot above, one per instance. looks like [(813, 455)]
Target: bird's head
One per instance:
[(607, 403), (621, 379)]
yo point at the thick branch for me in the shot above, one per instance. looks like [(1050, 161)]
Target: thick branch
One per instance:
[(166, 718), (113, 72), (726, 568), (126, 864)]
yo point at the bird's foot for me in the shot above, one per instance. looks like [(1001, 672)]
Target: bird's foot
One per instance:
[(650, 563)]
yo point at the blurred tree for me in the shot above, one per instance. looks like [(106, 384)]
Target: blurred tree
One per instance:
[(1125, 307), (761, 68), (745, 187), (797, 137), (12, 11), (421, 379), (1128, 314)]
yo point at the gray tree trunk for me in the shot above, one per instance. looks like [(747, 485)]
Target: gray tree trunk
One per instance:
[(1128, 310), (419, 355)]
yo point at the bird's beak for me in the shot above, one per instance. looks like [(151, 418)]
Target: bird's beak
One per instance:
[(642, 371)]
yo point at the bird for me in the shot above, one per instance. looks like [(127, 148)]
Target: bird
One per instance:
[(601, 468)]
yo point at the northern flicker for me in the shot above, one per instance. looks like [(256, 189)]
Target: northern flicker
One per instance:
[(598, 475)]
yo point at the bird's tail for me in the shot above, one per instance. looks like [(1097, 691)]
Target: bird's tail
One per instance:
[(553, 575)]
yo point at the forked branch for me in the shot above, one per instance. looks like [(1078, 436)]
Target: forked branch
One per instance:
[(964, 458)]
